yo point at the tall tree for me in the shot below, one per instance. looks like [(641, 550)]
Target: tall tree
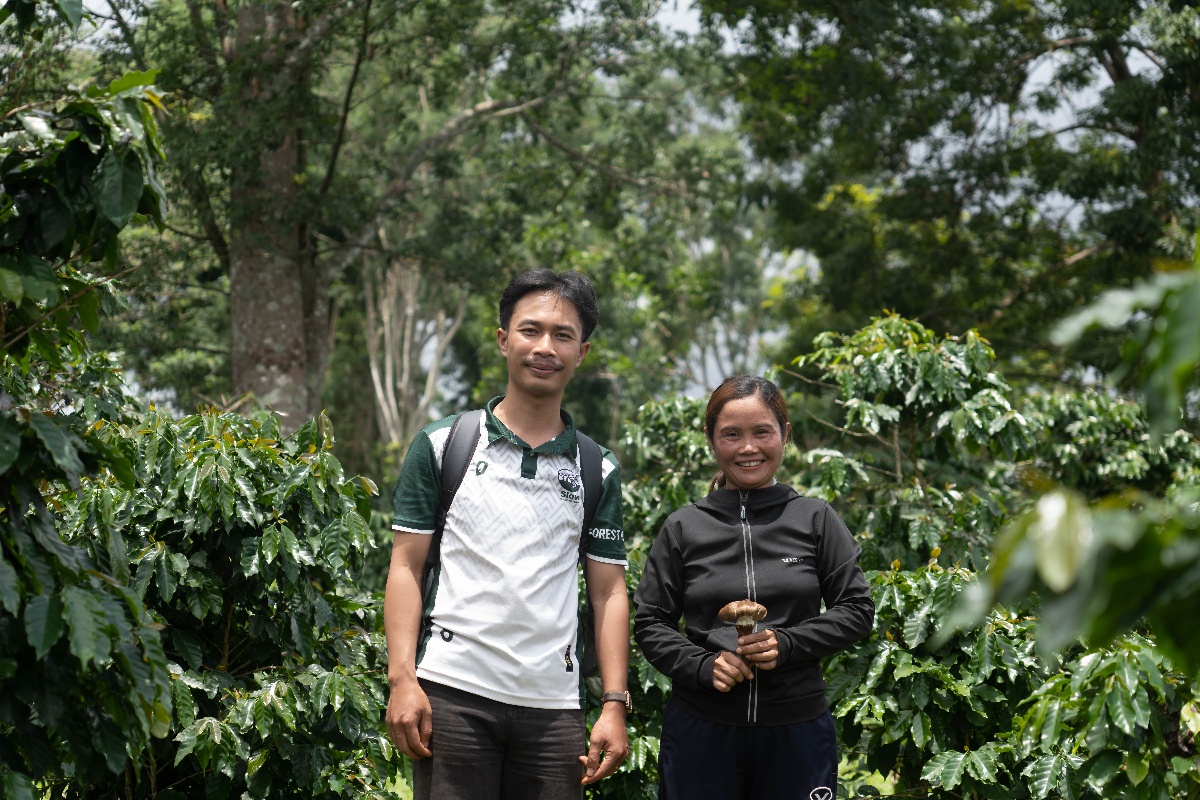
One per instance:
[(299, 131), (988, 165)]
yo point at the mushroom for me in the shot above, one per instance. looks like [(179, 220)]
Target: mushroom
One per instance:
[(743, 613)]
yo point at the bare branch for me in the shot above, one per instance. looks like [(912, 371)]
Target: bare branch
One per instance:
[(394, 192), (341, 130), (298, 54), (127, 33), (605, 169), (195, 185), (1051, 46), (809, 380), (15, 71), (1150, 55), (1020, 291), (207, 51)]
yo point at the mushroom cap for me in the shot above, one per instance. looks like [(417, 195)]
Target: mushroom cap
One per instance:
[(742, 608)]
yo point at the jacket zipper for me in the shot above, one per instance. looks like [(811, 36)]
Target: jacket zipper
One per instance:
[(752, 594)]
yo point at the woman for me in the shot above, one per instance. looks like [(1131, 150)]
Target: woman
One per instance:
[(748, 717)]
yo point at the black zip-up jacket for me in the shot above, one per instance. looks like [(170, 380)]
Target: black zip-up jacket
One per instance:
[(788, 553)]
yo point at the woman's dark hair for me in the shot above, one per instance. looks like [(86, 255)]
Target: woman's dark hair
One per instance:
[(738, 387), (571, 286)]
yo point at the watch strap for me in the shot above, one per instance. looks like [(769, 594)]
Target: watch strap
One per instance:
[(618, 697)]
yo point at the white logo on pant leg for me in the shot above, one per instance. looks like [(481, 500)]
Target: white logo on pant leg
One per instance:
[(821, 793)]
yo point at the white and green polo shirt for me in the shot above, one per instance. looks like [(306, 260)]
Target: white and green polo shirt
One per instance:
[(504, 609)]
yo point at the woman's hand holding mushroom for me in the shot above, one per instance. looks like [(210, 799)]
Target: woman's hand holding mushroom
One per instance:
[(729, 670), (760, 649)]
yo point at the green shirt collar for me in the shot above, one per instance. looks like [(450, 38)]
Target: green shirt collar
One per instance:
[(562, 444)]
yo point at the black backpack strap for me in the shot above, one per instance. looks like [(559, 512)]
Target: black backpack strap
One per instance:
[(591, 472), (456, 457)]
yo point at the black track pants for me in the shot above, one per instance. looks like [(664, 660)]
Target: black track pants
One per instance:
[(701, 760)]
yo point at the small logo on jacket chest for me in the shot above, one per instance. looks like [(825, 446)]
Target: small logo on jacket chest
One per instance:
[(792, 559)]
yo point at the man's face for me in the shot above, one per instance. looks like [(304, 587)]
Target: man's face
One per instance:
[(543, 344)]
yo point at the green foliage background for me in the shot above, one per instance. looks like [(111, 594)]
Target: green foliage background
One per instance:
[(190, 604)]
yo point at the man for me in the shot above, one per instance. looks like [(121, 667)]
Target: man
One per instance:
[(487, 703)]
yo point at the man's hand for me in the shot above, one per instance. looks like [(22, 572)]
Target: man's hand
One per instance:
[(410, 719), (729, 670), (608, 737), (760, 649)]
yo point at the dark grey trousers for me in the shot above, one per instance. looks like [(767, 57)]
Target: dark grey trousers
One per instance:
[(487, 750)]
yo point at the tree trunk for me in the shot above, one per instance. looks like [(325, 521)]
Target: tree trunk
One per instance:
[(411, 319), (279, 295)]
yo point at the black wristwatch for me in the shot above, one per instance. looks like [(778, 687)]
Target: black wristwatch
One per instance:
[(618, 697)]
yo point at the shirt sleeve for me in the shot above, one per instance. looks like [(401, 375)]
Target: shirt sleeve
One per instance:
[(659, 601), (415, 496), (606, 537), (849, 610)]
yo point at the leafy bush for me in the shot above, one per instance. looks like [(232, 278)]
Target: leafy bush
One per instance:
[(926, 439), (83, 675), (980, 714), (245, 549)]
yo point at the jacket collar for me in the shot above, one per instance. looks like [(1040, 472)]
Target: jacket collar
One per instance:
[(727, 502)]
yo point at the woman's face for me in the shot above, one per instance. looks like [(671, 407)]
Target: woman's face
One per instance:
[(748, 443)]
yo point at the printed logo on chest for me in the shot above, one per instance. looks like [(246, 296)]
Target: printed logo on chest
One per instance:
[(569, 485)]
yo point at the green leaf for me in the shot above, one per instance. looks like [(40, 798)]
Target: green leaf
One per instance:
[(43, 622), (87, 621), (87, 307), (1043, 775), (1103, 769), (187, 741), (878, 667), (10, 286), (37, 126), (1051, 724), (110, 741), (10, 585), (132, 80), (250, 557), (59, 441), (184, 705), (1061, 530), (1120, 708), (982, 765), (10, 441), (337, 690), (118, 555), (983, 659), (16, 785), (165, 576), (118, 186), (922, 730), (945, 769), (1182, 766), (1189, 717), (189, 647), (1137, 767), (255, 763), (70, 10), (916, 626), (270, 543)]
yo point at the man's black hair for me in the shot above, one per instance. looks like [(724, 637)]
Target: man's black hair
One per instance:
[(571, 286)]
